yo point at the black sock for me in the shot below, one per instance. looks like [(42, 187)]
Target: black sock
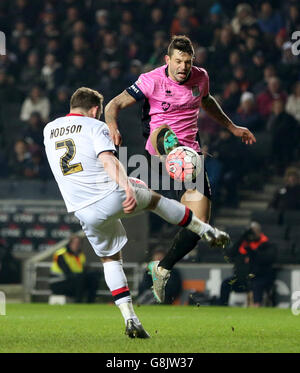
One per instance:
[(184, 242)]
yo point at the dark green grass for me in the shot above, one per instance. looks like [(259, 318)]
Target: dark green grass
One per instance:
[(100, 328)]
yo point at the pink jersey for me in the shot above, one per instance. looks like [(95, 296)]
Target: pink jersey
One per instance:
[(172, 103)]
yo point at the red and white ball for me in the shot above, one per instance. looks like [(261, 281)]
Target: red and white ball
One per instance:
[(183, 163)]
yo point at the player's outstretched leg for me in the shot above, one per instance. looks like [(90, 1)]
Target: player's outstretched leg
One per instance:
[(176, 213), (116, 281)]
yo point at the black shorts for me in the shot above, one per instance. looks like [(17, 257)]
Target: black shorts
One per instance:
[(178, 192)]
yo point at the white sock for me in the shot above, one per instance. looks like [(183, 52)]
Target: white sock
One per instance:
[(170, 210), (117, 283), (175, 212), (198, 226)]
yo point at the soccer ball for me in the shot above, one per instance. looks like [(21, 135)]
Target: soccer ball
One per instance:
[(183, 163)]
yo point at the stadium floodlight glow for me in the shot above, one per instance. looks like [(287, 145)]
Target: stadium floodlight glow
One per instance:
[(2, 44), (2, 304)]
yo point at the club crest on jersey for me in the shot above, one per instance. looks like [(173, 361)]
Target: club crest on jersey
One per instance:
[(195, 91), (105, 132), (165, 105)]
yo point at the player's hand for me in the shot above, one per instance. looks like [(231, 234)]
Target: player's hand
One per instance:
[(246, 135), (130, 202), (115, 135)]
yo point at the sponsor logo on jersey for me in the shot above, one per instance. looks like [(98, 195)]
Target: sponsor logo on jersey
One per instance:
[(165, 105), (105, 132), (195, 91), (168, 93)]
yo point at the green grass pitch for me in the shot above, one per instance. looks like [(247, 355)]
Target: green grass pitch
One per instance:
[(100, 328)]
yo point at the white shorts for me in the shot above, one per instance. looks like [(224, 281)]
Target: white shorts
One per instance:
[(101, 222)]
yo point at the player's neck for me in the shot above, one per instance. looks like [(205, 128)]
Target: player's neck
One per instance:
[(79, 111)]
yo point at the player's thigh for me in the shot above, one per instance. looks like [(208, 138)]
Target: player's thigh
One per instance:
[(198, 203), (104, 231)]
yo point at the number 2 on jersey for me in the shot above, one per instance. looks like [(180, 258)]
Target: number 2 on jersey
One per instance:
[(65, 159)]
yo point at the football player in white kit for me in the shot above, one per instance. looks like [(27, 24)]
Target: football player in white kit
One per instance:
[(96, 188)]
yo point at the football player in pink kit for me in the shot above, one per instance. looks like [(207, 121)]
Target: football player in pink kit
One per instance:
[(173, 95)]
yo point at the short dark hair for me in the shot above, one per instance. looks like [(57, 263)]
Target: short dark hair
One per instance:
[(86, 98), (182, 43)]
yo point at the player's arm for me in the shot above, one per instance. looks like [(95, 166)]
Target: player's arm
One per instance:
[(111, 113), (116, 172), (213, 109)]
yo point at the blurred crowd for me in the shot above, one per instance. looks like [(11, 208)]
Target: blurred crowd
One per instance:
[(56, 46)]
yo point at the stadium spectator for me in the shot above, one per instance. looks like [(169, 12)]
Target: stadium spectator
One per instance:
[(30, 73), (157, 22), (247, 113), (112, 84), (266, 99), (226, 149), (231, 96), (173, 288), (184, 22), (22, 50), (7, 87), (68, 274), (269, 20), (135, 69), (78, 73), (243, 17), (293, 102), (20, 29), (224, 45), (102, 22), (253, 256), (288, 196), (20, 163), (51, 73), (256, 69), (33, 133), (261, 85), (110, 50), (35, 102), (159, 46), (60, 104), (285, 134), (293, 18)]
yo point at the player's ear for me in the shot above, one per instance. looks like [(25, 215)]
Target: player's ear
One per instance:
[(167, 59)]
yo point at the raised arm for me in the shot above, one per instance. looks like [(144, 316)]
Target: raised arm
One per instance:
[(213, 109), (111, 113), (116, 172)]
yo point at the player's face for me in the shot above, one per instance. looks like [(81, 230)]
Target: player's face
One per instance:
[(179, 65)]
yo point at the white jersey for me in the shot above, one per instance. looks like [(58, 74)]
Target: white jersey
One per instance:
[(72, 145)]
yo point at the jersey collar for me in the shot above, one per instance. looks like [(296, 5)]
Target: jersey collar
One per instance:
[(74, 114), (167, 75)]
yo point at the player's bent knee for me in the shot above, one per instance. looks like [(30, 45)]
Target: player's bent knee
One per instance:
[(198, 203), (115, 257)]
